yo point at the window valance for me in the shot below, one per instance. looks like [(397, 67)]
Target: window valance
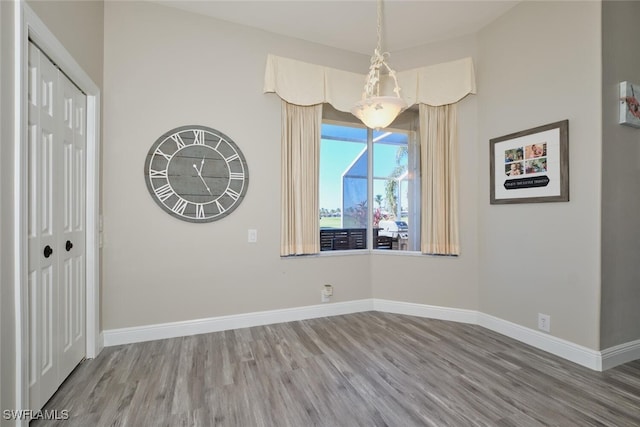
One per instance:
[(302, 83)]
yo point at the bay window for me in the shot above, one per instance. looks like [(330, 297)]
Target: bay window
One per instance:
[(369, 185)]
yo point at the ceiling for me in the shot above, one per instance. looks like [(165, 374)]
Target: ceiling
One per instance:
[(351, 24)]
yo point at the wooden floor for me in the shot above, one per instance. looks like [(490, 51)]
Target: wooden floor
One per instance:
[(365, 369)]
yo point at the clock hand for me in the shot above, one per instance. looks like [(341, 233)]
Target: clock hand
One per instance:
[(205, 184), (201, 165), (202, 179)]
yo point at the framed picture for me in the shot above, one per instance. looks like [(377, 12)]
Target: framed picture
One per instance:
[(629, 105), (531, 166)]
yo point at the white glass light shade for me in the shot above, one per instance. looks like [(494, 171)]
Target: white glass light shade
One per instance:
[(378, 112)]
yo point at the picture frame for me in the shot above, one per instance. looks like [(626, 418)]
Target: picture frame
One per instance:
[(531, 166), (629, 104)]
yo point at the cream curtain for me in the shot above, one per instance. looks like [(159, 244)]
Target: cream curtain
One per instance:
[(440, 171), (299, 224)]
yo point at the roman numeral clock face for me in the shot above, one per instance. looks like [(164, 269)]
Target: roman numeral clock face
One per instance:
[(196, 174)]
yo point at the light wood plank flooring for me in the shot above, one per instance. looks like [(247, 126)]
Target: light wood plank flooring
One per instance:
[(365, 369)]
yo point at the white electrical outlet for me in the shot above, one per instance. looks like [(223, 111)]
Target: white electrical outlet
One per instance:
[(544, 322), (326, 293), (324, 297), (252, 235)]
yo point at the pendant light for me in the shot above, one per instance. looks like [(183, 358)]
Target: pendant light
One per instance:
[(376, 111)]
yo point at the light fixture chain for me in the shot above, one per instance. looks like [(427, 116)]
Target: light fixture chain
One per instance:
[(379, 25)]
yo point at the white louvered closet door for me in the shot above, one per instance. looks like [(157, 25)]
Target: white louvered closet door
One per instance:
[(56, 226)]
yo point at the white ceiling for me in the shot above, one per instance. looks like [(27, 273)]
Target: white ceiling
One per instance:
[(351, 24)]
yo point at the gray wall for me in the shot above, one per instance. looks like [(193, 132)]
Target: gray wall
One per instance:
[(540, 63), (620, 311), (166, 68)]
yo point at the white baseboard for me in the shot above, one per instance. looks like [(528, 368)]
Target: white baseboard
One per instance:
[(423, 310), (584, 356), (565, 349), (620, 354), (592, 359), (236, 321)]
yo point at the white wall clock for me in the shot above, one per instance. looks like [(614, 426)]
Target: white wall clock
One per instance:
[(196, 174)]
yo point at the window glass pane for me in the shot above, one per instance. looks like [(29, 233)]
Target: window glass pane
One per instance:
[(343, 187), (394, 192)]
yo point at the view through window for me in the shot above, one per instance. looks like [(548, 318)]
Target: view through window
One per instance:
[(368, 203)]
